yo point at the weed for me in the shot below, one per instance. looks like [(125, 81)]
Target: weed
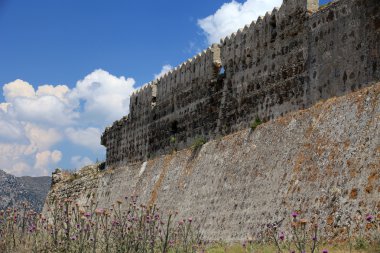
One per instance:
[(173, 139), (198, 142), (361, 243), (254, 124), (126, 227)]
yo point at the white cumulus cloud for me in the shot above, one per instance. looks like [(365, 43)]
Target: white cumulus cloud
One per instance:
[(45, 106), (89, 137), (79, 161), (38, 124), (40, 138), (232, 16), (46, 159), (165, 69), (18, 89), (106, 97)]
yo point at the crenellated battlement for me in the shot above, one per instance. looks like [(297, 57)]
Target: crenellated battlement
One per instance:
[(286, 60)]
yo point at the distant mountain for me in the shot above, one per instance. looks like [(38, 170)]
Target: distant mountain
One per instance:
[(14, 190)]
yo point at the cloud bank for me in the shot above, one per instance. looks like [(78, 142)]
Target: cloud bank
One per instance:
[(232, 16), (35, 122), (165, 69)]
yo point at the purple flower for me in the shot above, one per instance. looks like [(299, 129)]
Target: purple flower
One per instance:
[(87, 214), (294, 214), (369, 218), (282, 236), (325, 251), (190, 219)]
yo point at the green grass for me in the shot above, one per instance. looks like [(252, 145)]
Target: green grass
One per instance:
[(264, 248)]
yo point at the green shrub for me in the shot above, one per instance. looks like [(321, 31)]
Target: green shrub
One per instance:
[(173, 139), (254, 124), (198, 142)]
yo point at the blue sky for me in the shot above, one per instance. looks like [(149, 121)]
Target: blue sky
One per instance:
[(52, 53)]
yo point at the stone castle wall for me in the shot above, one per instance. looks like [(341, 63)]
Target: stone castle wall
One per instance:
[(285, 61)]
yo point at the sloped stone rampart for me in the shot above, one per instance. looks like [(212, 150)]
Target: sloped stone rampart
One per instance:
[(324, 160)]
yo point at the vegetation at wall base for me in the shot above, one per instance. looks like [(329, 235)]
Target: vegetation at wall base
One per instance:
[(130, 227), (126, 227)]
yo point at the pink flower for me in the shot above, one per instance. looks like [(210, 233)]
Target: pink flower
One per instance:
[(282, 236), (369, 218)]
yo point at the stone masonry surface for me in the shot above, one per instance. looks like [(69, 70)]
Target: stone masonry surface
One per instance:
[(285, 61), (324, 161)]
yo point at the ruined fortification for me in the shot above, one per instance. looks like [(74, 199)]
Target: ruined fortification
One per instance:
[(287, 60), (323, 160)]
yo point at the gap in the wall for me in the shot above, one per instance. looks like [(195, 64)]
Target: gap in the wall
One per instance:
[(323, 2)]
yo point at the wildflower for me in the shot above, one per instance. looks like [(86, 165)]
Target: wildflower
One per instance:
[(282, 236), (325, 251), (190, 219), (87, 214), (294, 214), (369, 218)]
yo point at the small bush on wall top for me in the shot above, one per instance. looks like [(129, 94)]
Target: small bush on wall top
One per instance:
[(198, 142), (254, 124)]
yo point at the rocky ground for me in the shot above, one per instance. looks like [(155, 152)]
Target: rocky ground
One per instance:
[(14, 190)]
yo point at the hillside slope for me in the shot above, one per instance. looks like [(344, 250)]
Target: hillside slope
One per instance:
[(324, 161), (14, 190)]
